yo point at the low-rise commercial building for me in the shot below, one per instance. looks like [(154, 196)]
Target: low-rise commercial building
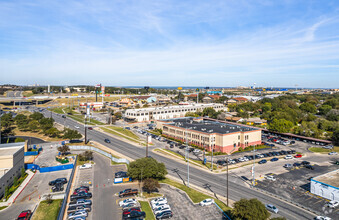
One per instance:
[(168, 112), (326, 185), (202, 132), (11, 163)]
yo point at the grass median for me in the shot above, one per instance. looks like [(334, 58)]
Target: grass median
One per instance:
[(147, 209), (119, 134), (323, 150), (47, 211)]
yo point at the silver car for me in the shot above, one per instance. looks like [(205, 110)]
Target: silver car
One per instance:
[(77, 214), (272, 208)]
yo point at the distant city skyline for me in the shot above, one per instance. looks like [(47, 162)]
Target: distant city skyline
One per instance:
[(170, 43)]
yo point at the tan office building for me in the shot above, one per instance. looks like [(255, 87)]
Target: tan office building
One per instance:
[(221, 136), (11, 162)]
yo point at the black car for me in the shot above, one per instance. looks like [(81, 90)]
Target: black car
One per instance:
[(262, 162), (58, 187), (81, 195), (293, 151), (296, 164), (305, 163), (182, 147), (120, 174), (165, 214), (107, 140), (82, 187), (308, 166), (221, 162), (56, 181), (134, 215), (289, 152)]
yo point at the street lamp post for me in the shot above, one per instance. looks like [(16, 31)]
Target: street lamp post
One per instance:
[(85, 129), (228, 160), (253, 180), (188, 161)]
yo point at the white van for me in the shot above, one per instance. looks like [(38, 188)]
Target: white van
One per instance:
[(86, 166)]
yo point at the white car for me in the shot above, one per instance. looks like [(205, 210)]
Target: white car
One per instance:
[(332, 153), (270, 177), (322, 218), (86, 166), (76, 126), (332, 204), (196, 151), (162, 210), (260, 155), (272, 208), (161, 206), (154, 201), (287, 157), (77, 214), (121, 203), (206, 202)]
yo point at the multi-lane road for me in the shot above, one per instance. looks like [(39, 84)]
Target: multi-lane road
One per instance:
[(198, 177)]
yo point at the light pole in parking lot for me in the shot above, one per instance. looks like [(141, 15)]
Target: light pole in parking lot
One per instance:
[(253, 180), (228, 160), (85, 129), (188, 160)]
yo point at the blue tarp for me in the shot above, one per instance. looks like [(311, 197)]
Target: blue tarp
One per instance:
[(48, 169)]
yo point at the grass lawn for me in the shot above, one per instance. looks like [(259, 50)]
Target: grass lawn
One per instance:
[(48, 211), (118, 134), (194, 194), (147, 209), (250, 148), (151, 195), (3, 207), (125, 132), (323, 150)]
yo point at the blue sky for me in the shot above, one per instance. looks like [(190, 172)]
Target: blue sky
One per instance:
[(170, 43)]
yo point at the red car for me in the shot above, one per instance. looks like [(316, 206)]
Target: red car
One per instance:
[(90, 128), (126, 212), (298, 156), (79, 191), (25, 215)]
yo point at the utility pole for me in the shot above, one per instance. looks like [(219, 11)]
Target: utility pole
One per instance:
[(85, 129), (212, 157), (253, 180), (188, 161), (228, 161)]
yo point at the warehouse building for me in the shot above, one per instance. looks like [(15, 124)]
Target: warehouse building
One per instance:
[(168, 112), (206, 133), (326, 185), (11, 163)]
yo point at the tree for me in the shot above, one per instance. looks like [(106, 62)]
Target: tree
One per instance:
[(333, 115), (46, 123), (6, 120), (250, 209), (308, 107), (18, 139), (280, 125), (335, 137), (210, 112), (36, 116), (118, 115), (6, 192), (146, 168), (191, 114), (63, 149), (23, 172), (151, 185), (33, 125), (52, 132), (71, 134), (49, 199), (15, 181), (324, 109)]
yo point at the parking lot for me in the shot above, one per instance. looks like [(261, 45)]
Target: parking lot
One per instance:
[(294, 185)]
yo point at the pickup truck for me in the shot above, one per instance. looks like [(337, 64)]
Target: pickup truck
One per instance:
[(128, 192), (80, 202), (79, 208), (81, 195)]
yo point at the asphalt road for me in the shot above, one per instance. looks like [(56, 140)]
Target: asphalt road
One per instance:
[(217, 183), (14, 94)]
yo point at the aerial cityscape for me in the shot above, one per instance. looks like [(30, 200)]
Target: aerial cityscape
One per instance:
[(197, 110)]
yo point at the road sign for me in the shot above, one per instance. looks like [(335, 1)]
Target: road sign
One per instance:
[(205, 160)]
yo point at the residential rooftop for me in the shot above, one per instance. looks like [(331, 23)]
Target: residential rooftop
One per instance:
[(331, 178), (208, 126)]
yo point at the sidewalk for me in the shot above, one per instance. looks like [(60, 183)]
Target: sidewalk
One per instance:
[(18, 190)]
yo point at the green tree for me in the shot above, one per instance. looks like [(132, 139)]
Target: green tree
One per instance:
[(146, 168), (280, 125), (23, 172), (36, 116), (335, 137), (71, 134), (33, 125), (52, 132), (6, 192), (15, 181), (6, 120), (18, 139), (250, 209), (118, 115), (308, 107), (150, 185), (63, 149), (210, 112), (191, 114), (324, 109), (46, 123), (333, 115)]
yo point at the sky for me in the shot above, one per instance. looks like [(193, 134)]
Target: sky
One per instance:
[(216, 43)]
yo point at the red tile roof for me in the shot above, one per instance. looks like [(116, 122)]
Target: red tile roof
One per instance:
[(240, 99)]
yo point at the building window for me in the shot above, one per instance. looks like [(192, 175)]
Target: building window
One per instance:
[(238, 137)]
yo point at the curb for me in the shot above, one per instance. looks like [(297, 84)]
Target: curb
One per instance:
[(23, 188)]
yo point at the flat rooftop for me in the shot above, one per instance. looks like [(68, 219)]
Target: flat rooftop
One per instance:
[(9, 151), (200, 105), (331, 178), (208, 126)]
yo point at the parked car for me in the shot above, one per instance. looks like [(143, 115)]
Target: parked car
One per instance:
[(322, 218), (272, 208), (328, 147), (25, 215), (86, 166), (125, 201), (298, 156), (129, 205), (287, 157), (333, 153), (308, 166), (154, 201), (107, 140), (81, 195), (164, 215), (77, 214), (305, 163), (58, 187), (128, 192), (82, 187), (332, 204), (206, 202), (159, 204), (274, 159), (120, 174), (196, 151), (162, 209), (59, 180), (86, 208), (262, 162), (297, 164), (89, 128), (128, 211), (80, 202), (270, 177), (288, 165), (134, 215)]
